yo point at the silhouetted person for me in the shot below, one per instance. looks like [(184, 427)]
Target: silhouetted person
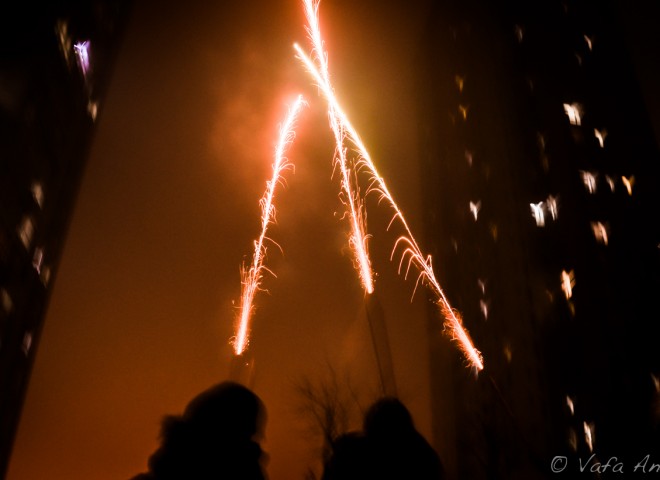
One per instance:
[(216, 438), (350, 458), (390, 447), (400, 451)]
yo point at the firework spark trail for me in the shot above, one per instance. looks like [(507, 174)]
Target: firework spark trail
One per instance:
[(358, 237), (251, 278), (411, 250)]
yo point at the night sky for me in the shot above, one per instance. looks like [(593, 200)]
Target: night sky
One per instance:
[(147, 291), (144, 303)]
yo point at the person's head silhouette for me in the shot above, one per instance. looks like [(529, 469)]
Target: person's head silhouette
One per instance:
[(216, 437), (388, 417), (398, 450), (226, 410)]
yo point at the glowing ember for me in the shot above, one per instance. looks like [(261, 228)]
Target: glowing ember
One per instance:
[(411, 252), (251, 279), (358, 238)]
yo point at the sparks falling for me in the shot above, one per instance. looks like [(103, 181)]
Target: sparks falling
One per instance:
[(351, 198), (251, 278), (411, 254)]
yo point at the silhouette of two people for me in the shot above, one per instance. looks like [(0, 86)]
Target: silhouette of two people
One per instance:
[(216, 437), (389, 447)]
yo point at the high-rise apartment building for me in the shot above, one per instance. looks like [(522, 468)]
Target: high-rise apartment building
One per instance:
[(541, 189), (55, 63)]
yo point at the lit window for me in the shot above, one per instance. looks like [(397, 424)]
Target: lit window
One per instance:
[(550, 295), (567, 283), (538, 214), (552, 205), (507, 353), (540, 138), (572, 439), (600, 232), (38, 193), (5, 300), (38, 258), (628, 182), (545, 163), (589, 180), (483, 306), (26, 231), (463, 110), (519, 33), (27, 342), (460, 81), (92, 109), (82, 55), (569, 402), (589, 41), (62, 30), (45, 275), (493, 231), (482, 286), (589, 429), (610, 182), (573, 112), (474, 209)]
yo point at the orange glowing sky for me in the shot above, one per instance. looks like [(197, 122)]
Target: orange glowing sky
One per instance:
[(142, 312)]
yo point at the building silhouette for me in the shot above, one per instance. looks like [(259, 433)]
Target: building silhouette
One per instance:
[(55, 64), (541, 175)]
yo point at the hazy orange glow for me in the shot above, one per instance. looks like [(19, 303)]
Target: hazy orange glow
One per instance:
[(411, 251), (251, 278)]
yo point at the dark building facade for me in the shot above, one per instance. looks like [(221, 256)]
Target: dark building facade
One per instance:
[(541, 190), (55, 64)]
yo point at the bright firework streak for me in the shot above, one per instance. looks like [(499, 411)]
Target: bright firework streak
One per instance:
[(411, 250), (251, 279), (358, 238)]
